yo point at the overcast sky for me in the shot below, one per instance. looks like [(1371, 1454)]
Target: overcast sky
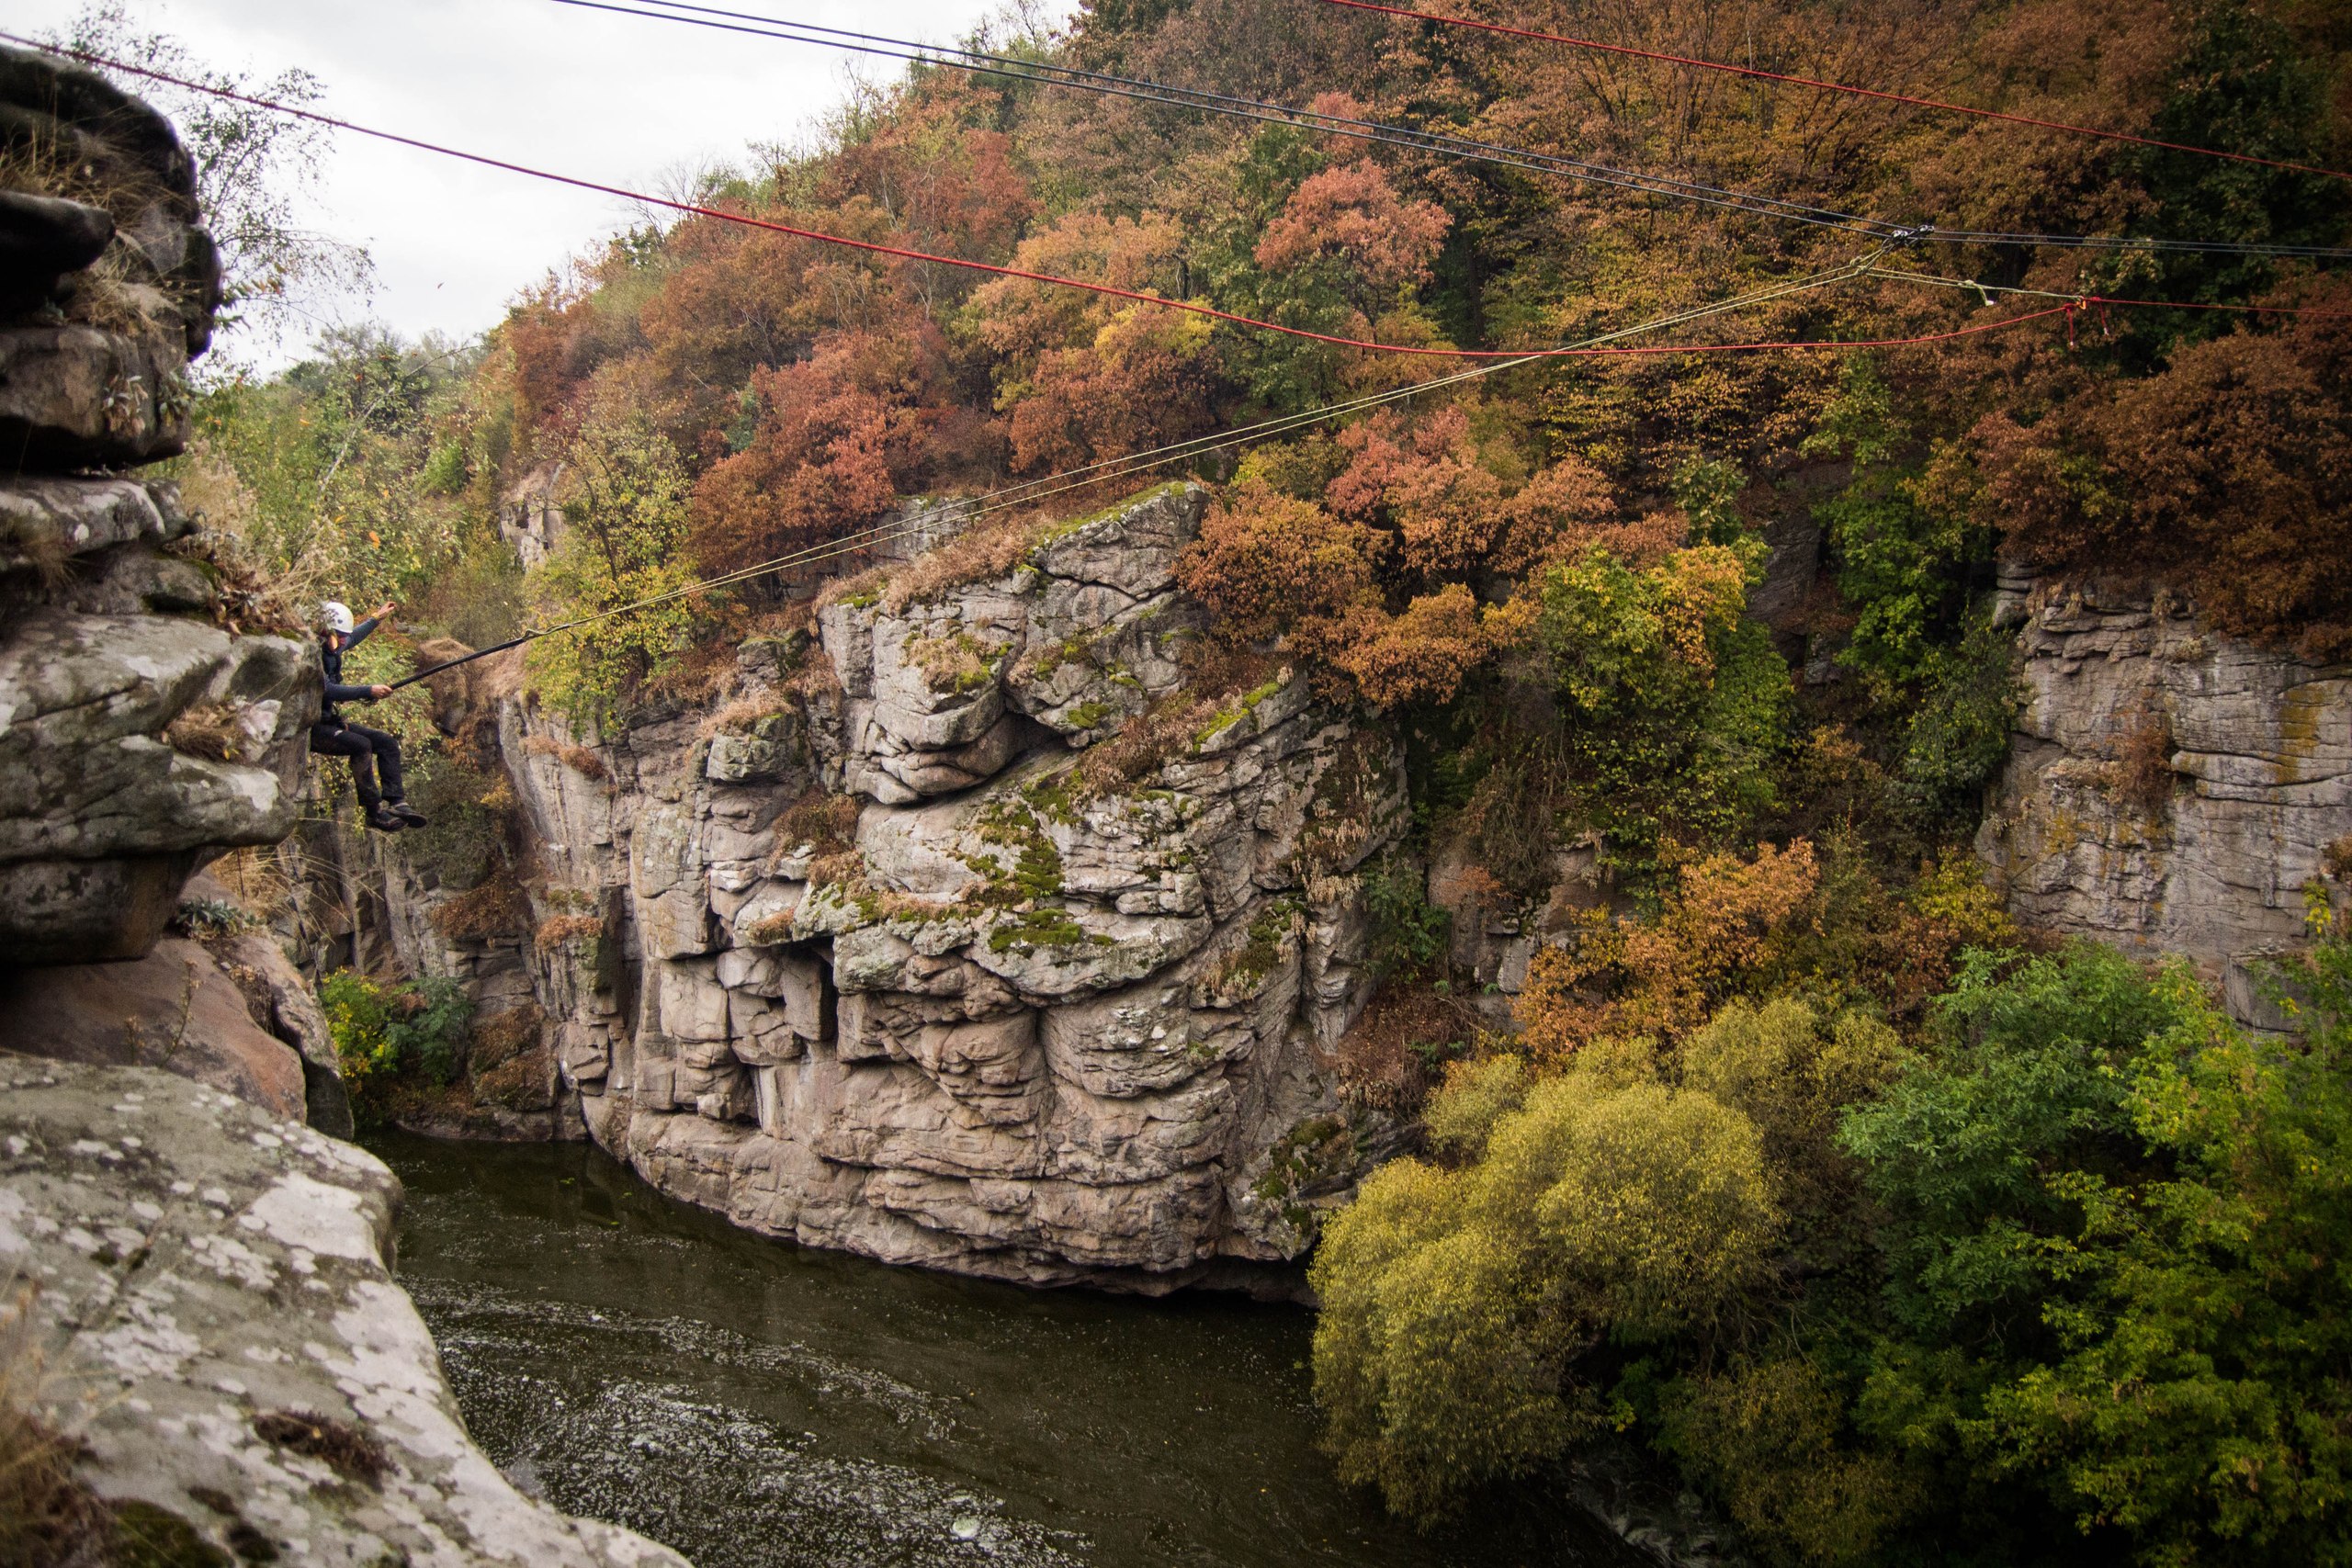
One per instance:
[(613, 98)]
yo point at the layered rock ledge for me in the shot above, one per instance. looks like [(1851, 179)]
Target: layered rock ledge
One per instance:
[(140, 733)]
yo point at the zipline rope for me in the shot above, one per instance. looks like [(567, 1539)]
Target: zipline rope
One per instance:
[(1912, 100), (872, 247), (1050, 75), (1046, 74)]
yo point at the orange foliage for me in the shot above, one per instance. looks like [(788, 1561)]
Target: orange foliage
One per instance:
[(1425, 483), (1567, 510), (1017, 318), (2229, 472), (1144, 382), (1266, 563), (738, 299), (950, 187), (1353, 214), (841, 434), (1721, 919), (1084, 376), (1421, 655), (1413, 510)]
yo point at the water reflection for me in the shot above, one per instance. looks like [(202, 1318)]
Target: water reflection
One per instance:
[(757, 1405)]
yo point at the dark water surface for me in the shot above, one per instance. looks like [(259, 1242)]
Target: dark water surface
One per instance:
[(757, 1405)]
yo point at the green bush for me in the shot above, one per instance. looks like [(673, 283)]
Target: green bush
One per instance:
[(359, 1019), (417, 1029), (627, 543), (1958, 733), (2122, 1259), (1455, 1302), (431, 1037), (1674, 706), (1409, 932)]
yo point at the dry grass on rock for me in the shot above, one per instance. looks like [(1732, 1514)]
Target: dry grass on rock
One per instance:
[(495, 909), (581, 760), (826, 823), (47, 1516), (210, 730), (991, 547), (1394, 1056)]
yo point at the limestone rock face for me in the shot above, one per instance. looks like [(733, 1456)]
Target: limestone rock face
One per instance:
[(2172, 789), (138, 737), (219, 1329), (882, 970), (938, 697), (221, 1006), (138, 740)]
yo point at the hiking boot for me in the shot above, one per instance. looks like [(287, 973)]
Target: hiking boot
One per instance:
[(383, 820), (405, 812)]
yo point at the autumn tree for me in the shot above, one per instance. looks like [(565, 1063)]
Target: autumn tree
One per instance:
[(624, 513), (835, 439), (1083, 377)]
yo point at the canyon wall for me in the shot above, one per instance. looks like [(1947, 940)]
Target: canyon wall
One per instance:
[(890, 945), (139, 733), (2172, 789), (880, 952)]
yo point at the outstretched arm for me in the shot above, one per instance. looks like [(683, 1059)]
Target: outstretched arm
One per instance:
[(375, 618)]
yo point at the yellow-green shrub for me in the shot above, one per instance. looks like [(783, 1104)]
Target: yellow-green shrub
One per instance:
[(1456, 1303)]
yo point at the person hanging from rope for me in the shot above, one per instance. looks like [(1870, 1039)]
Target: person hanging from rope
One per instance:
[(335, 736)]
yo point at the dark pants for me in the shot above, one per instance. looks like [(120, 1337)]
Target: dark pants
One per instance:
[(368, 750)]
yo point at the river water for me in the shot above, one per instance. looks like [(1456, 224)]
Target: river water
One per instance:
[(759, 1406)]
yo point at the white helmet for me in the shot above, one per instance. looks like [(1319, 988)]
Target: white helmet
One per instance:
[(336, 617)]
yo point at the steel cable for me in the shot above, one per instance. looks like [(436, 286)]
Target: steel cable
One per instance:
[(1046, 74)]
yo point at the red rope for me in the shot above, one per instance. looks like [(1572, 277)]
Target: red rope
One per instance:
[(1884, 96), (873, 247)]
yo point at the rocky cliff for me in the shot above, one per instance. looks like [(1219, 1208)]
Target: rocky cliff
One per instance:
[(2172, 789), (890, 949), (139, 733), (201, 1351), (146, 724)]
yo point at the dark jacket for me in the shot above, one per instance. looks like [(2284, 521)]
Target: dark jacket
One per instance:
[(332, 656)]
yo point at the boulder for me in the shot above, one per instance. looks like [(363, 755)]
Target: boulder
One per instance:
[(132, 748), (223, 1341)]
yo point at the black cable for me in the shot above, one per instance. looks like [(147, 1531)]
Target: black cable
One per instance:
[(1438, 142), (979, 62)]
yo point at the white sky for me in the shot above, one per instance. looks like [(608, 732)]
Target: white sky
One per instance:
[(613, 98)]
